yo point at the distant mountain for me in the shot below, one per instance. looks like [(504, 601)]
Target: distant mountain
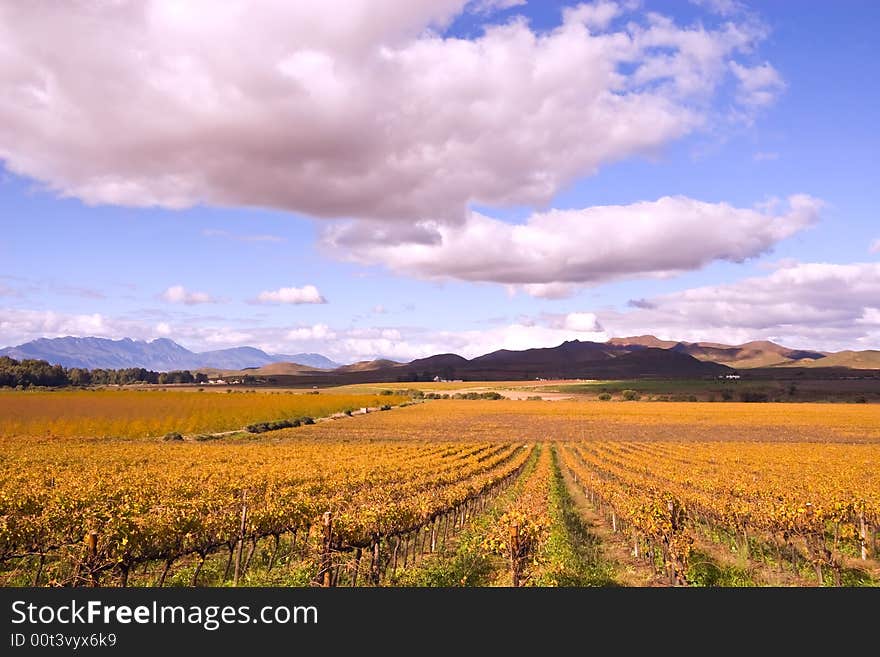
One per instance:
[(642, 341), (312, 360), (639, 356), (760, 353), (861, 360), (236, 358), (440, 361), (576, 359), (368, 365), (275, 369), (572, 359), (160, 355)]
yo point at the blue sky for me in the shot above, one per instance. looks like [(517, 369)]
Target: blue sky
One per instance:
[(445, 176)]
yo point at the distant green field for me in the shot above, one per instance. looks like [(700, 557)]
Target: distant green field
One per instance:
[(861, 391), (659, 386), (446, 386)]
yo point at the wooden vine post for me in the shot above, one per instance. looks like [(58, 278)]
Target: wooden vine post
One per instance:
[(375, 561), (241, 533), (863, 536), (92, 554), (515, 561), (325, 575)]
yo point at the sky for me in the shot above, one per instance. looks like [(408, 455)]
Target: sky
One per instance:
[(376, 178)]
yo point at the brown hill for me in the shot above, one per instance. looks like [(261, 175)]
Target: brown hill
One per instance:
[(643, 341), (864, 360), (569, 360), (750, 354), (575, 359), (573, 351), (368, 366), (281, 368), (272, 369), (759, 353), (452, 361)]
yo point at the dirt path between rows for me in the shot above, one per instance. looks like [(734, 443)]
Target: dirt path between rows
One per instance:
[(631, 571), (628, 570)]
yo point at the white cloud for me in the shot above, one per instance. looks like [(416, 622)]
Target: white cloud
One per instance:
[(763, 156), (597, 16), (225, 337), (379, 309), (316, 332), (344, 108), (486, 7), (586, 322), (555, 251), (811, 305), (418, 343), (295, 295), (547, 290), (807, 305), (179, 294), (759, 85), (875, 246), (20, 325)]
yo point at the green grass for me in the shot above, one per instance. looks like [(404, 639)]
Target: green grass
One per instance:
[(571, 554), (703, 570)]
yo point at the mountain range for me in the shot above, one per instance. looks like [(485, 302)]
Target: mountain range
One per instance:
[(626, 357), (160, 355)]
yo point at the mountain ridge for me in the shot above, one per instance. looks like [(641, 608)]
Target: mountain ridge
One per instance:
[(643, 355), (161, 354), (753, 354)]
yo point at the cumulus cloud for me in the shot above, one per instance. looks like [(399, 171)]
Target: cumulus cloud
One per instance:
[(22, 325), (587, 322), (347, 108), (340, 344), (816, 305), (759, 85), (555, 251), (295, 295), (179, 294), (545, 290), (596, 16), (316, 332)]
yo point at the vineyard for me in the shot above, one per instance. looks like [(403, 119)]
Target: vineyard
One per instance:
[(444, 492), (141, 414)]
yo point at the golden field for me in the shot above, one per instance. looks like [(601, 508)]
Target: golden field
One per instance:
[(781, 483), (140, 414), (594, 420)]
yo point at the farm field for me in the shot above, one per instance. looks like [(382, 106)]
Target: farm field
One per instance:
[(772, 386), (444, 492), (145, 413), (592, 420)]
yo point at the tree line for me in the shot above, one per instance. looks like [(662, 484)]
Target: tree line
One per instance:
[(31, 372)]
